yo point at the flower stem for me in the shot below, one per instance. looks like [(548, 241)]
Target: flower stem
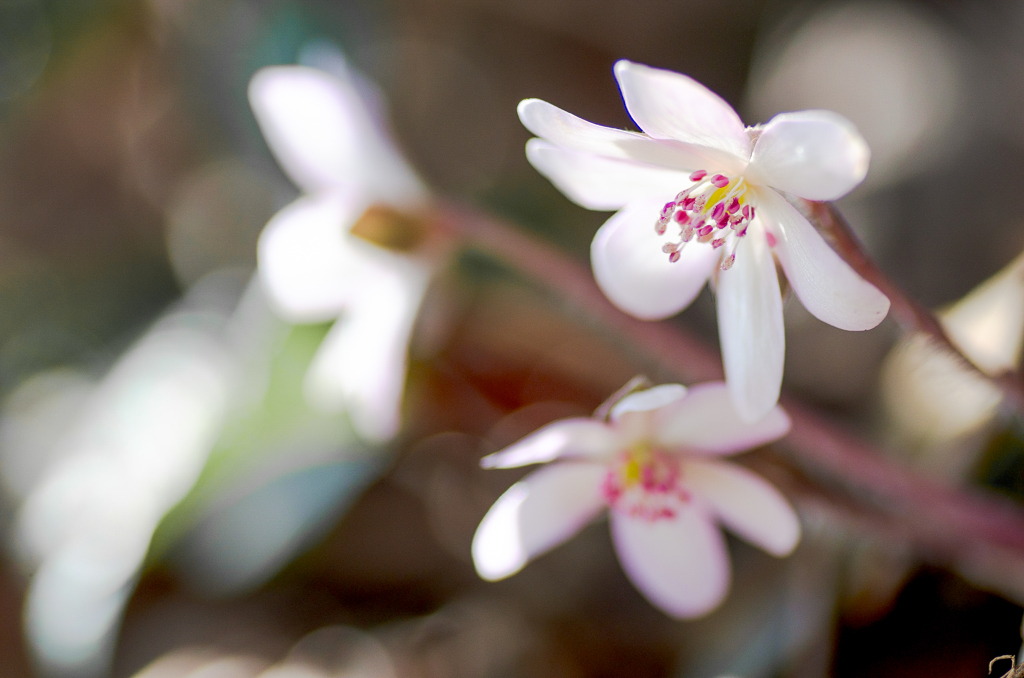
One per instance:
[(910, 314)]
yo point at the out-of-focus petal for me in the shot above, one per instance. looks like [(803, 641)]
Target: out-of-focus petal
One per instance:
[(321, 132), (818, 155), (584, 438), (825, 284), (668, 105), (679, 564), (306, 263), (987, 325), (636, 275), (750, 327), (601, 183), (706, 421), (653, 398), (535, 515), (746, 503), (568, 131), (362, 361)]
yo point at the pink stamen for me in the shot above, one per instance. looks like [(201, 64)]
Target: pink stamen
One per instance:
[(674, 257), (705, 230), (687, 234), (698, 175), (669, 247), (720, 181), (718, 212), (718, 242), (734, 206), (770, 238), (682, 217), (688, 203), (728, 262)]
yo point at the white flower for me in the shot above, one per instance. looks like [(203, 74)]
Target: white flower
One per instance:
[(655, 466), (321, 129), (696, 194)]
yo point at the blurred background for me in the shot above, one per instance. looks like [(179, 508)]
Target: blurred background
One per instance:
[(170, 504)]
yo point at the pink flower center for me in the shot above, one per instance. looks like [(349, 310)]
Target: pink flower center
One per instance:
[(645, 482), (714, 210)]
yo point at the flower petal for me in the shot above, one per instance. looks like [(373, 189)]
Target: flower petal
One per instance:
[(320, 130), (706, 421), (636, 275), (306, 263), (600, 183), (588, 438), (361, 364), (825, 284), (535, 515), (647, 400), (568, 131), (746, 503), (679, 564), (668, 105), (817, 155), (750, 327)]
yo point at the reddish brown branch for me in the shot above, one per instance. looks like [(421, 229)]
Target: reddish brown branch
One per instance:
[(946, 524), (911, 315)]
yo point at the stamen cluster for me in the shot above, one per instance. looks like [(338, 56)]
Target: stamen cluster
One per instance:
[(645, 483), (713, 210)]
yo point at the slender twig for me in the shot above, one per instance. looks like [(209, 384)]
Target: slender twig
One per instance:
[(910, 314), (946, 524)]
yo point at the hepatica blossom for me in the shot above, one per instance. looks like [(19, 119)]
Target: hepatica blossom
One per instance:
[(697, 195), (656, 466), (323, 132)]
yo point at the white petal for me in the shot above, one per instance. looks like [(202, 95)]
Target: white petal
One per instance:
[(565, 438), (987, 325), (321, 132), (636, 275), (746, 503), (818, 155), (568, 131), (361, 364), (535, 515), (306, 263), (647, 400), (750, 327), (707, 421), (825, 284), (601, 183), (679, 564), (668, 105)]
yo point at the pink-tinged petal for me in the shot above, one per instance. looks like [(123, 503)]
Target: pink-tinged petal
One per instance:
[(320, 130), (668, 105), (306, 263), (568, 131), (636, 275), (750, 327), (585, 438), (746, 503), (647, 400), (361, 364), (680, 564), (706, 421), (535, 515), (600, 183), (817, 155), (825, 284), (633, 415)]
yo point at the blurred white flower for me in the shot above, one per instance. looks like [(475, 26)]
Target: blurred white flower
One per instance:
[(930, 394), (324, 134), (120, 453), (697, 197), (655, 466)]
